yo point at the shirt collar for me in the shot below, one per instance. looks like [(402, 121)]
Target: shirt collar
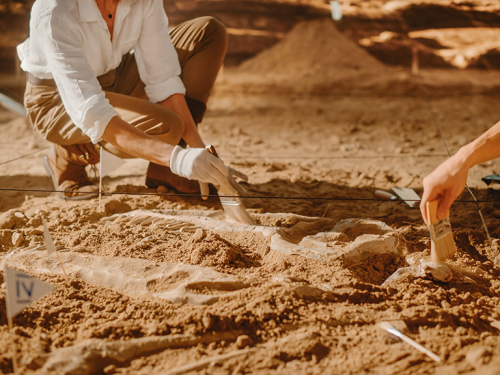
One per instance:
[(89, 12)]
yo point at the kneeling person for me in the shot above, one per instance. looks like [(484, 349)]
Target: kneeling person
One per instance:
[(108, 73)]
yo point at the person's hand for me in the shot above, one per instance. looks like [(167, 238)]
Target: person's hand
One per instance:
[(198, 164), (444, 184)]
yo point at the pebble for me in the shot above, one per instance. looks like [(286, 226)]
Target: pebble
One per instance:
[(17, 239), (111, 369), (243, 341), (445, 304), (207, 321)]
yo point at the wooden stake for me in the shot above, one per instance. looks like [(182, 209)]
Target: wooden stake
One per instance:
[(14, 347), (414, 62), (61, 263), (326, 210)]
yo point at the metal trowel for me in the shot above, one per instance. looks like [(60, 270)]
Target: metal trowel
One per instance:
[(232, 204), (410, 197)]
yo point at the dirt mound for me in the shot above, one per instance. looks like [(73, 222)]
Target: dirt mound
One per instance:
[(213, 251), (314, 50)]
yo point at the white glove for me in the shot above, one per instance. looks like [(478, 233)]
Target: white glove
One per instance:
[(198, 164), (231, 173)]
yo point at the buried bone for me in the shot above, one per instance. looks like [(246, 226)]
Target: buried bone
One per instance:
[(93, 355), (431, 270), (175, 282), (354, 240)]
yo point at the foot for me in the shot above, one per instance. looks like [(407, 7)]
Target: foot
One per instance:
[(158, 175), (68, 174)]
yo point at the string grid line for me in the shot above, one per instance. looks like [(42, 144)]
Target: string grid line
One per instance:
[(346, 157)]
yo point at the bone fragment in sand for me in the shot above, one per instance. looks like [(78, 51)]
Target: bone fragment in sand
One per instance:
[(176, 282), (354, 240), (432, 270), (200, 365), (93, 355)]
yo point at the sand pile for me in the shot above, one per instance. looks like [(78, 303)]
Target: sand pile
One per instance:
[(314, 51), (315, 57)]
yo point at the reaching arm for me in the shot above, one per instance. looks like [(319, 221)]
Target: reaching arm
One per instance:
[(194, 163), (177, 103), (137, 143), (447, 181)]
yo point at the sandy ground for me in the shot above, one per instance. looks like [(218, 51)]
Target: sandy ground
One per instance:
[(335, 126)]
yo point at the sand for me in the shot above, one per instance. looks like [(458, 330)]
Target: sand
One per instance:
[(290, 313)]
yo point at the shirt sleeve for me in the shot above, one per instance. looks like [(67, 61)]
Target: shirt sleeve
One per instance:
[(76, 82), (156, 56)]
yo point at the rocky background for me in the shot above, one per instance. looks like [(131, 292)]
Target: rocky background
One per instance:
[(449, 34)]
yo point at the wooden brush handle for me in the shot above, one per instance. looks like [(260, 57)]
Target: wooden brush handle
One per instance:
[(211, 149), (432, 208)]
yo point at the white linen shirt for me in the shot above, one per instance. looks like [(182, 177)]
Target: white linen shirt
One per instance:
[(70, 42)]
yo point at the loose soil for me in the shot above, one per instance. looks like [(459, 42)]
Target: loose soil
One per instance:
[(317, 118)]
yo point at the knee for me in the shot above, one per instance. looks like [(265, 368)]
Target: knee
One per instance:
[(171, 128), (216, 31)]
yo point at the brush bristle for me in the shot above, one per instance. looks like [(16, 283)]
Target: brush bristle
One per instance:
[(238, 213), (442, 244), (443, 249)]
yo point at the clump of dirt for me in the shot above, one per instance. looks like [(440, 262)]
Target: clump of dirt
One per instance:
[(115, 206), (5, 239), (211, 250), (12, 219), (377, 269)]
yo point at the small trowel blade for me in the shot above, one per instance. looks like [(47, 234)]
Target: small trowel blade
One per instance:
[(410, 197)]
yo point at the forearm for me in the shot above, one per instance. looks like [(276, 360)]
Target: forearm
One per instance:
[(137, 143), (484, 148), (177, 103), (448, 180)]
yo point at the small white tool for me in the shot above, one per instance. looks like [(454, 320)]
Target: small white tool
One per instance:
[(394, 331), (410, 197), (385, 195)]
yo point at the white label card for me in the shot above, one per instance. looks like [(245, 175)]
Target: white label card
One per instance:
[(22, 290)]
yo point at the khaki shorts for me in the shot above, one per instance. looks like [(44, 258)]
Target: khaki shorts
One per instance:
[(201, 45)]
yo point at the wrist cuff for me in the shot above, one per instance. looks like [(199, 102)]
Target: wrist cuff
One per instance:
[(176, 159)]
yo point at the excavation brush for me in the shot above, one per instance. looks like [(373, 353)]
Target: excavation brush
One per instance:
[(442, 244), (231, 203)]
